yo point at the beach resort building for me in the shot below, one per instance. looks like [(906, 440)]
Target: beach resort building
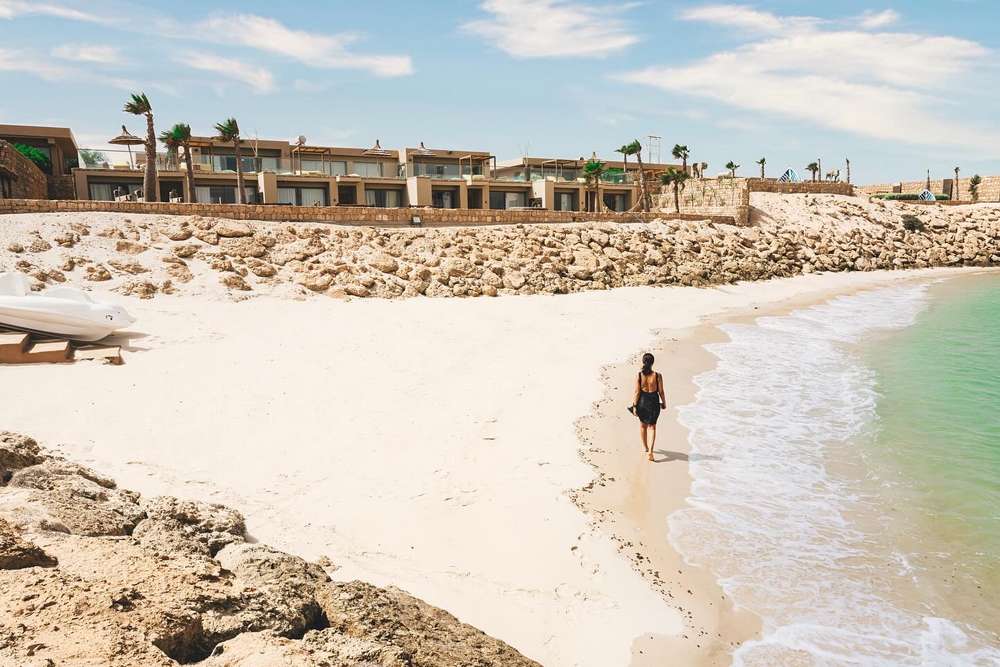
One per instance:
[(281, 172)]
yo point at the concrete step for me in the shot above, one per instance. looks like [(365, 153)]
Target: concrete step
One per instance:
[(12, 346), (110, 353), (48, 352)]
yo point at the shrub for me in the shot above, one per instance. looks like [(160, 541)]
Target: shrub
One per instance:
[(37, 157), (974, 184), (896, 196), (942, 197), (912, 223)]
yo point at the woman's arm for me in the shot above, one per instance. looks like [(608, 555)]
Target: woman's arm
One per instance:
[(635, 399), (663, 399)]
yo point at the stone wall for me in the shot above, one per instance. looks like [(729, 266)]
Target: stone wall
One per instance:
[(709, 197), (381, 217), (27, 180), (806, 187), (62, 187), (989, 189)]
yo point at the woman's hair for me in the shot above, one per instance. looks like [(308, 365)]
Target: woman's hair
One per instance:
[(647, 363)]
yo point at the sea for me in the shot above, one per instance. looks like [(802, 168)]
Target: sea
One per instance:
[(846, 464)]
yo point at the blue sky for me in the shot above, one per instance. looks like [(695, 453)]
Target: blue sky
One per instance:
[(897, 87)]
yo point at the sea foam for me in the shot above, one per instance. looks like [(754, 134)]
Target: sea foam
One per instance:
[(770, 518)]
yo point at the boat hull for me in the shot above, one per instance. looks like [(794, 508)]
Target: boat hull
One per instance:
[(59, 317)]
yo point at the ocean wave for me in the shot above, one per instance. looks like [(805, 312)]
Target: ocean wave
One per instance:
[(780, 530)]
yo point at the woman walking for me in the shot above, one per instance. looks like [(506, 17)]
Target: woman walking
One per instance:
[(649, 399)]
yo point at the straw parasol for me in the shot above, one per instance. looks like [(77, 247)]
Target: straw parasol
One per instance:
[(127, 139)]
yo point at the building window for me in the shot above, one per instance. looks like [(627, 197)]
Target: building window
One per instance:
[(444, 198), (435, 170), (222, 194), (565, 201), (368, 169), (383, 198), (503, 200), (615, 202), (106, 191), (338, 168), (302, 196)]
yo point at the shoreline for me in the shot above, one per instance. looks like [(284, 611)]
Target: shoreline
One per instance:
[(632, 499)]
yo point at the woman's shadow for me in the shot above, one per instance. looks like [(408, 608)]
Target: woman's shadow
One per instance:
[(667, 457)]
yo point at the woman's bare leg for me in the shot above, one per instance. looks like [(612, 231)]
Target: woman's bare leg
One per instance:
[(642, 434), (652, 439)]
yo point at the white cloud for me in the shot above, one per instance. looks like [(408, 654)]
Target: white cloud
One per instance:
[(13, 60), (10, 9), (886, 85), (87, 53), (552, 28), (258, 78), (324, 51), (872, 20), (748, 18)]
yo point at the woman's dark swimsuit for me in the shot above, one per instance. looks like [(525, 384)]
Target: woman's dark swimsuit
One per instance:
[(648, 407)]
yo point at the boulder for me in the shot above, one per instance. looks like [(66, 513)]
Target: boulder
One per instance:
[(15, 553), (232, 229)]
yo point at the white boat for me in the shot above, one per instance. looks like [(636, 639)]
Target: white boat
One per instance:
[(62, 311)]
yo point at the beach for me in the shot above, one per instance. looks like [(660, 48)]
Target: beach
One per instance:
[(469, 451)]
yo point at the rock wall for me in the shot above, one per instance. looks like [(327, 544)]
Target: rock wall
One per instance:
[(27, 180), (709, 197), (62, 187), (806, 187), (97, 575), (346, 215), (989, 189)]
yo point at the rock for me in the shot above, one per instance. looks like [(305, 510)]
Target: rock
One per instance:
[(356, 290), (130, 248), (384, 263), (180, 272), (236, 282), (16, 452), (128, 267), (232, 229), (144, 289), (317, 282), (261, 269), (207, 236), (176, 232), (191, 526), (39, 245), (97, 273), (457, 267), (15, 247), (185, 249), (241, 247), (15, 553)]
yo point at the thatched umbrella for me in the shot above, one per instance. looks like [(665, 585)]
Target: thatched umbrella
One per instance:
[(130, 140)]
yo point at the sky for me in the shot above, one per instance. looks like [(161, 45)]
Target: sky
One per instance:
[(896, 87)]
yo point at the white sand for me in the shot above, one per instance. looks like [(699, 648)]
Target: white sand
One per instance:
[(424, 443)]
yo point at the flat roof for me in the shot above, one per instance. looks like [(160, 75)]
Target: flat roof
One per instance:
[(60, 136)]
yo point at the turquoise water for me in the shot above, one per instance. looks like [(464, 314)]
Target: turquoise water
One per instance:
[(937, 447), (846, 464)]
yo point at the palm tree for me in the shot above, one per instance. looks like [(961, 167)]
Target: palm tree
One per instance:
[(682, 153), (814, 168), (179, 136), (955, 190), (140, 106), (676, 180), (635, 148), (761, 162), (974, 184), (593, 171), (229, 131), (732, 167)]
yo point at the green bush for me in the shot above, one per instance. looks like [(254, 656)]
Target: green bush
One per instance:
[(912, 223), (942, 197), (37, 157)]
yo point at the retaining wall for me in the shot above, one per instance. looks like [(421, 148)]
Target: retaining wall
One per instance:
[(381, 217), (989, 189), (27, 180), (806, 187)]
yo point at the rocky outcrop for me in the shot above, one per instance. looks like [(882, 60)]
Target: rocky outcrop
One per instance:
[(92, 574)]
